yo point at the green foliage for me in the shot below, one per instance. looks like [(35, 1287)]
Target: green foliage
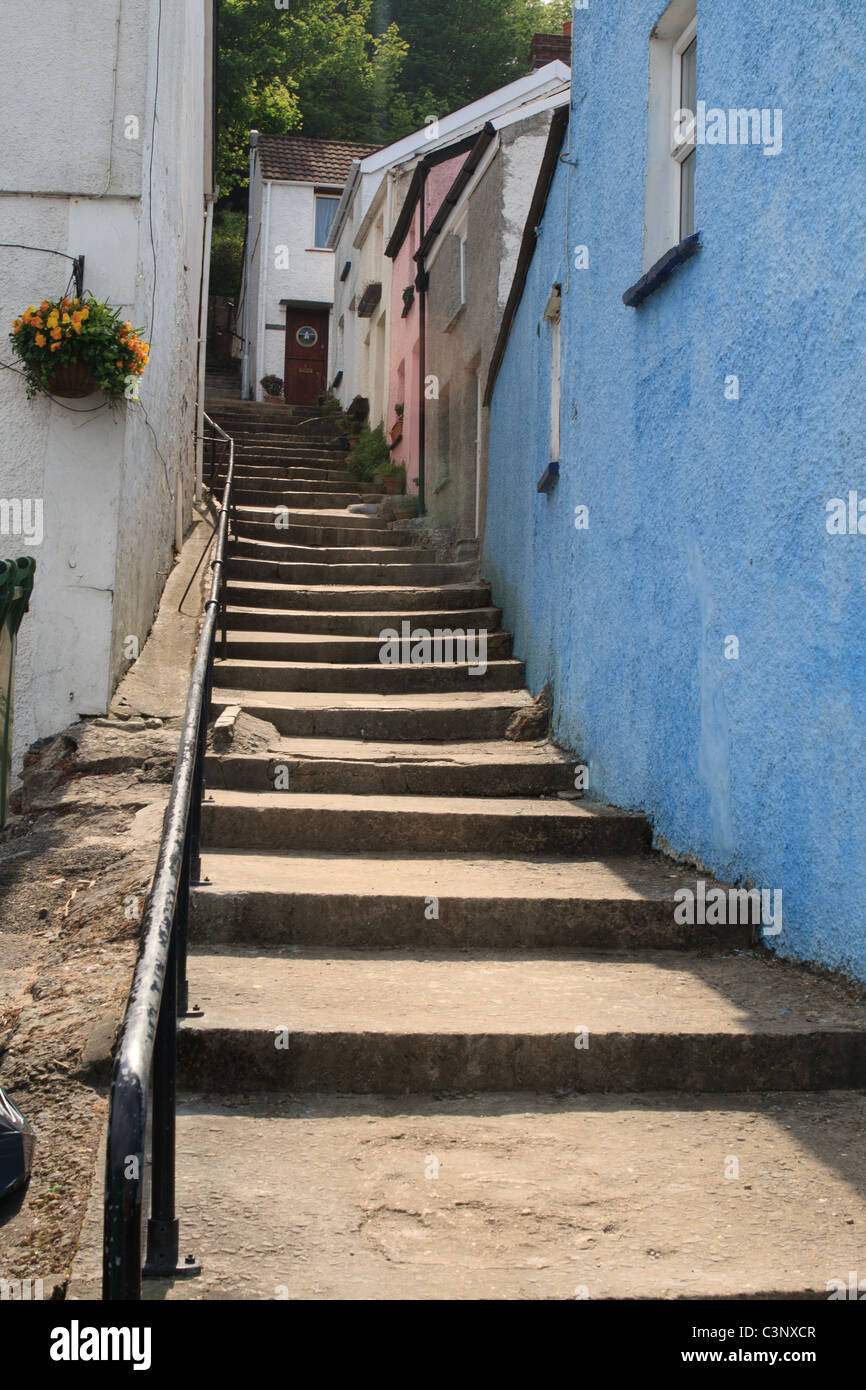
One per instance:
[(87, 331), (227, 253), (328, 404), (369, 454), (366, 70), (389, 469), (272, 385)]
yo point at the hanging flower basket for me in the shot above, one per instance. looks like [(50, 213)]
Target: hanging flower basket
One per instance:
[(73, 347), (73, 380)]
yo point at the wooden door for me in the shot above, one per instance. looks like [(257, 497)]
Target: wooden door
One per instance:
[(306, 355)]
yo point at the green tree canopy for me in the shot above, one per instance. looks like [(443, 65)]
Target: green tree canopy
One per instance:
[(367, 70)]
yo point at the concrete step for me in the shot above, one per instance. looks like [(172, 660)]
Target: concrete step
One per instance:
[(316, 517), (282, 820), (323, 480), (285, 551), (400, 901), (397, 769), (513, 1197), (361, 678), (292, 496), (359, 577), (319, 647), (249, 619), (476, 714), (353, 598), (322, 535), (511, 1021)]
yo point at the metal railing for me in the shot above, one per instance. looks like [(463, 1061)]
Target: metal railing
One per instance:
[(145, 1068)]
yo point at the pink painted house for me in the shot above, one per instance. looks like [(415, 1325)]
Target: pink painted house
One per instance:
[(431, 180)]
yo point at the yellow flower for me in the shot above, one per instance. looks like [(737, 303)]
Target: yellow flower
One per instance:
[(65, 319), (40, 339), (85, 312), (53, 319)]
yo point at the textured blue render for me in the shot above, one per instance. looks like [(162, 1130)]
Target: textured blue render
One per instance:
[(707, 517)]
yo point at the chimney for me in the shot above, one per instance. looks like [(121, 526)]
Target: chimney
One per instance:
[(546, 48)]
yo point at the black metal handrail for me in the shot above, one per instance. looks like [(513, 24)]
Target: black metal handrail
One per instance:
[(146, 1057)]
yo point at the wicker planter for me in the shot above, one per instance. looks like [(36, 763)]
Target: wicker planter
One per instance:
[(72, 380)]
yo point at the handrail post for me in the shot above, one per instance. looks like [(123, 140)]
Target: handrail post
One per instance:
[(163, 1228)]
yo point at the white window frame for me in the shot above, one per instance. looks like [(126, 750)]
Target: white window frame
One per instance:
[(331, 198), (461, 231), (680, 150), (553, 315), (672, 34)]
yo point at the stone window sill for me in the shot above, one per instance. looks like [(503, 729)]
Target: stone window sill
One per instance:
[(659, 273)]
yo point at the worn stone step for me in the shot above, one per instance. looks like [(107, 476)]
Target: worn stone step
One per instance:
[(301, 534), (319, 648), (499, 674), (411, 576), (249, 619), (292, 496), (283, 820), (514, 1197), (313, 516), (395, 900), (353, 598), (285, 551), (476, 714), (374, 769), (325, 480), (496, 1021)]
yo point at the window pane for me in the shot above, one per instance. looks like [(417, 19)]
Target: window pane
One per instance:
[(689, 83), (687, 196), (326, 211)]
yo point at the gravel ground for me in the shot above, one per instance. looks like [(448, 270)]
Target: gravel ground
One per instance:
[(76, 859)]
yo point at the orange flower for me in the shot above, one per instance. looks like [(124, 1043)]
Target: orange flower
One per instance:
[(40, 340), (118, 363), (36, 321), (56, 332), (55, 346), (43, 306)]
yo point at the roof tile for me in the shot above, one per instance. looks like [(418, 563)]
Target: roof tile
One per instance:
[(303, 160)]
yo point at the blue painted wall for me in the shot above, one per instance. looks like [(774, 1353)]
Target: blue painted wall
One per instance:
[(707, 516)]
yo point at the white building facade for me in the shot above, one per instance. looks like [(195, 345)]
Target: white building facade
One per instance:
[(296, 187), (360, 339), (117, 167)]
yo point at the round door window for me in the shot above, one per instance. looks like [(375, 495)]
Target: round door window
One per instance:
[(307, 337)]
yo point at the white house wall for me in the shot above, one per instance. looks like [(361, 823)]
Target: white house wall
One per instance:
[(310, 271), (76, 183)]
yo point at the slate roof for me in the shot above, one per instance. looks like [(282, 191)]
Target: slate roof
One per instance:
[(302, 160)]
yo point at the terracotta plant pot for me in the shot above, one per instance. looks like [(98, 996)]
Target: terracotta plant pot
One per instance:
[(72, 380), (397, 432), (274, 400), (393, 486)]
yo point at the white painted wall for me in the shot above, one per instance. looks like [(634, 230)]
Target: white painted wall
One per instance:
[(112, 487)]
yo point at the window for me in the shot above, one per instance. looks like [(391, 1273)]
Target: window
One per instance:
[(669, 208), (326, 211), (553, 315), (685, 96)]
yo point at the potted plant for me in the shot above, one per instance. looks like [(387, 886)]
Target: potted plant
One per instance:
[(391, 477), (348, 431), (273, 388), (73, 347), (370, 454)]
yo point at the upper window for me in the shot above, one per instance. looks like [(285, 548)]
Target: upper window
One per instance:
[(326, 211), (685, 75), (669, 209)]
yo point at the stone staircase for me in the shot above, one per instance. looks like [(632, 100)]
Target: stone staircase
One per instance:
[(454, 1043)]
